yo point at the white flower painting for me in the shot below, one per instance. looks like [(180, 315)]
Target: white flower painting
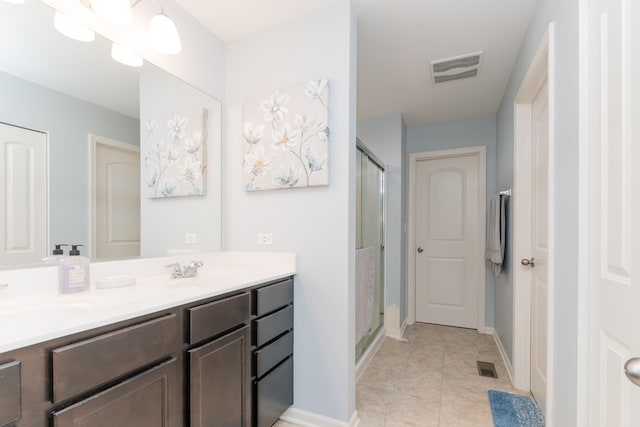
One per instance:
[(175, 155), (286, 138)]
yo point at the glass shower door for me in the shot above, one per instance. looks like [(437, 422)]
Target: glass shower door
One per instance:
[(369, 249)]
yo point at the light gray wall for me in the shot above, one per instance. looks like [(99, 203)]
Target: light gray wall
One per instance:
[(68, 122), (318, 223), (383, 136), (565, 189), (461, 134), (164, 222)]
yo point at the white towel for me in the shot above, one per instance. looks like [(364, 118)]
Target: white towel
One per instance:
[(496, 234), (365, 289)]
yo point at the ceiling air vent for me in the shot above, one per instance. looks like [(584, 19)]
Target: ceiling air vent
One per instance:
[(459, 67)]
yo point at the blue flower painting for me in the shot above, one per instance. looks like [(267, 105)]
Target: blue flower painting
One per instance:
[(286, 138), (175, 155)]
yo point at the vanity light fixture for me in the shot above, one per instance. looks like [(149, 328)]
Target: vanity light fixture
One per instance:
[(117, 12), (125, 56), (163, 35), (72, 28)]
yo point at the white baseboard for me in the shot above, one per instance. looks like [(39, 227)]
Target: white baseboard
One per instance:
[(369, 353), (397, 333), (503, 354), (309, 419), (488, 330)]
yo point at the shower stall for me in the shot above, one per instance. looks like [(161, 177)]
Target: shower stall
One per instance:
[(369, 248)]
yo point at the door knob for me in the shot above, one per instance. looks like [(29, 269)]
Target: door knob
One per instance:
[(632, 370), (530, 262), (420, 250)]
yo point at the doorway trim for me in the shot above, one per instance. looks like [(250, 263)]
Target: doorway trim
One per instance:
[(541, 71), (414, 158)]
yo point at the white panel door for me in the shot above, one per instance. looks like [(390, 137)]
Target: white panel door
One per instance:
[(23, 196), (447, 241), (117, 200), (540, 244), (614, 190)]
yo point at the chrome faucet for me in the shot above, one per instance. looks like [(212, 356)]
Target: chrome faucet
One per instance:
[(190, 270)]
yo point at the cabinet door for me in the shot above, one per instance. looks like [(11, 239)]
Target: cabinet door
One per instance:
[(220, 382), (10, 393), (146, 400)]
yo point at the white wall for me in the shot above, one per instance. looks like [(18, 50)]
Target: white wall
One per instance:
[(318, 224), (383, 136), (164, 222), (565, 189), (461, 134)]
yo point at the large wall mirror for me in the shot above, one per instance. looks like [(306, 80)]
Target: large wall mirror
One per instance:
[(70, 103)]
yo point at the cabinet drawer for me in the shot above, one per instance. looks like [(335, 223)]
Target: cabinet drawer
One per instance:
[(90, 363), (146, 400), (9, 393), (212, 319), (272, 297), (274, 394), (273, 325), (272, 354)]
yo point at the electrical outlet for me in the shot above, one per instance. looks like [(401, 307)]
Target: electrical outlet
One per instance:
[(265, 238), (191, 238)]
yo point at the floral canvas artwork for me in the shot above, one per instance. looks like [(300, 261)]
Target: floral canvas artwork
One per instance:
[(286, 137), (175, 155)]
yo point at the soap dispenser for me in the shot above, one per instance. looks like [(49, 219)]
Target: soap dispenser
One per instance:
[(56, 256), (74, 272)]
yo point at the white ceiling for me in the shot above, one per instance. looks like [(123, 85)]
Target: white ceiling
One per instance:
[(396, 41)]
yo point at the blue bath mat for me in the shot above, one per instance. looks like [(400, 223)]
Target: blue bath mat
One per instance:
[(514, 410)]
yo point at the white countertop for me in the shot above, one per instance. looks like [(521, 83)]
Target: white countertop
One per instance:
[(33, 311)]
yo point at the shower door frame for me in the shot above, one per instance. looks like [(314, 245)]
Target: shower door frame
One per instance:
[(383, 295)]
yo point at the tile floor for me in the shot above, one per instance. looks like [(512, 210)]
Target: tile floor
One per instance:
[(429, 380)]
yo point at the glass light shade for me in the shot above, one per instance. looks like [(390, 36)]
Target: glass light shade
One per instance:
[(72, 28), (125, 56), (117, 12), (163, 35)]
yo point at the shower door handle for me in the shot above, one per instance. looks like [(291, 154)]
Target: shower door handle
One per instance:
[(420, 250)]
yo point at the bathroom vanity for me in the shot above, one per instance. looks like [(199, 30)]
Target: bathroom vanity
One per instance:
[(222, 358)]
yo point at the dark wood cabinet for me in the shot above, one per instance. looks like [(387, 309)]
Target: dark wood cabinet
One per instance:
[(220, 381), (217, 317), (274, 394), (10, 393), (115, 354), (225, 361), (272, 356), (148, 399)]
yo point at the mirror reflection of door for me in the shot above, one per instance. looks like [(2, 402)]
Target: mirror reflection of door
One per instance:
[(23, 195), (116, 190)]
